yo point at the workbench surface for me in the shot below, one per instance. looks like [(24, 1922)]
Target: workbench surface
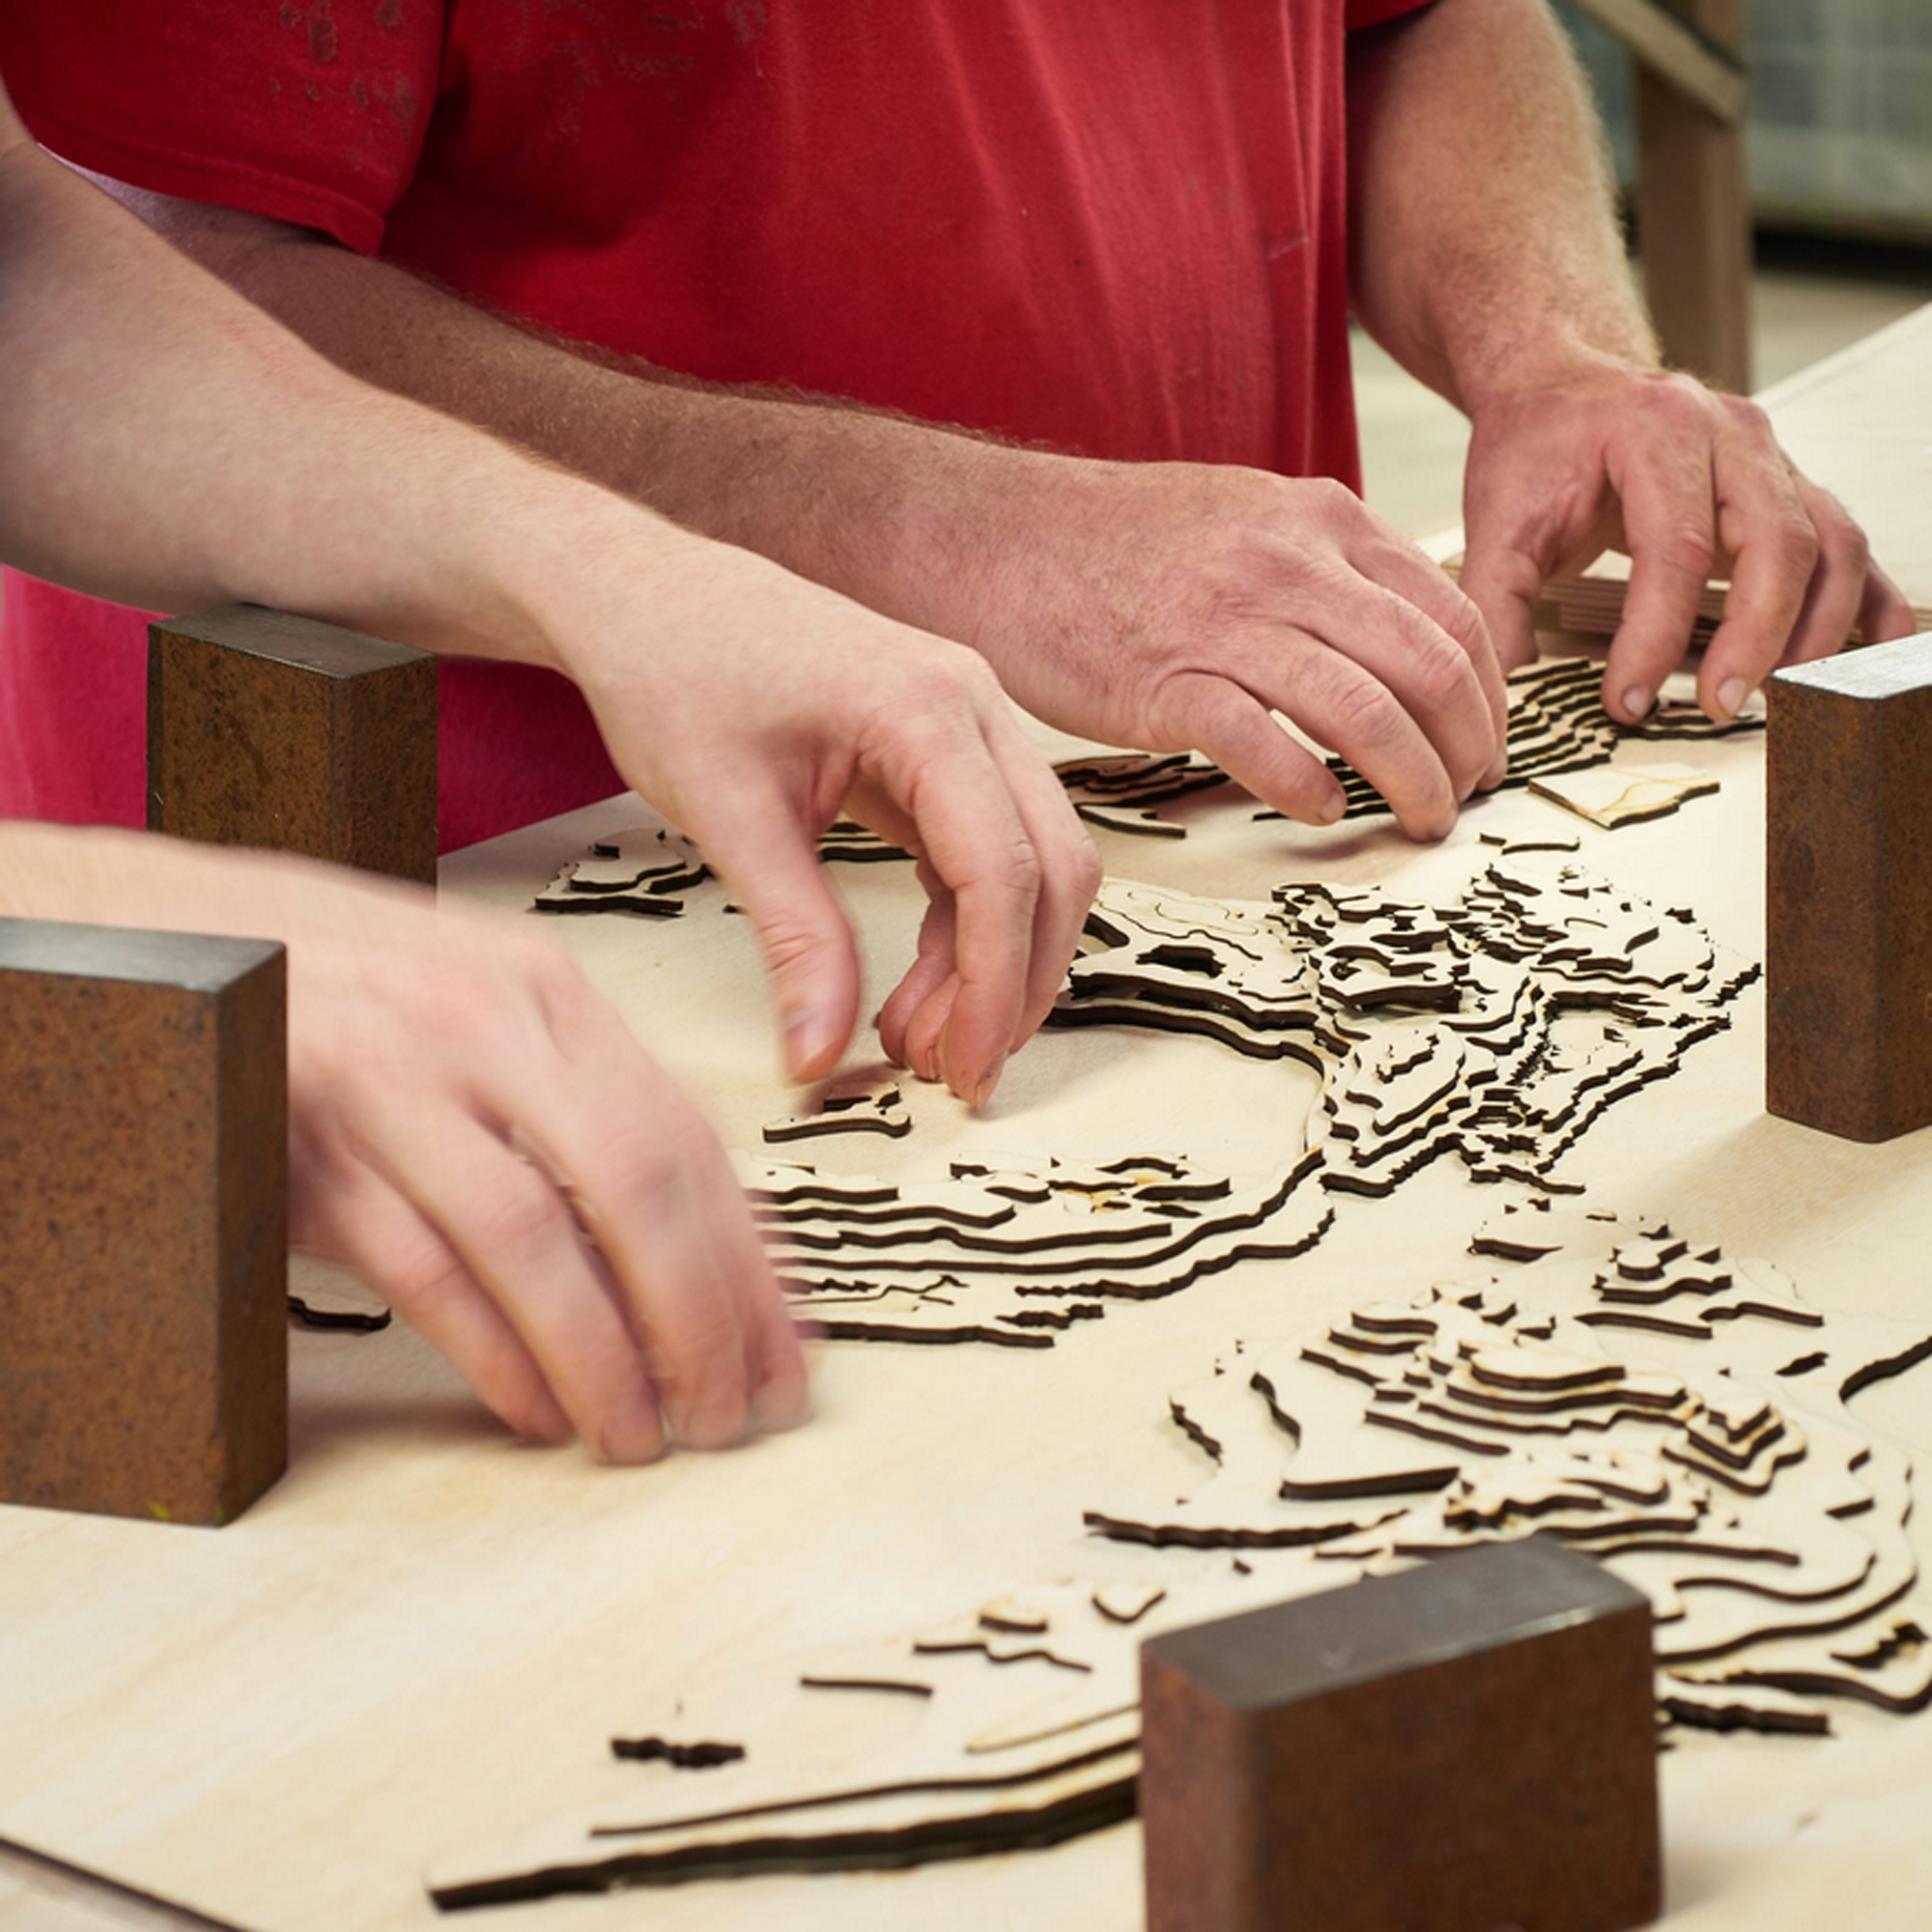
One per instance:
[(420, 1643)]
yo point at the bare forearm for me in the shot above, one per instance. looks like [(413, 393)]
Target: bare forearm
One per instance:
[(895, 513), (166, 445), (1484, 234)]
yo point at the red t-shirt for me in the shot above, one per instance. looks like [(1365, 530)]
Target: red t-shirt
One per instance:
[(1114, 228)]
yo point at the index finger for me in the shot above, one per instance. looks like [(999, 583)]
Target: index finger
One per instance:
[(648, 1179), (940, 772)]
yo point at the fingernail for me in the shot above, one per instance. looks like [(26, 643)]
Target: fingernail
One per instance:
[(1731, 696), (1637, 703), (988, 1080), (805, 1033), (781, 1405), (546, 1421), (716, 1425), (636, 1436)]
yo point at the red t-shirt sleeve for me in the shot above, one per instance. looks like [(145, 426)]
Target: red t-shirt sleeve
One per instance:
[(307, 111), (1373, 12)]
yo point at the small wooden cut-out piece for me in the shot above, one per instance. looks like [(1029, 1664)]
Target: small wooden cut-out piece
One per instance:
[(856, 1106), (1614, 795)]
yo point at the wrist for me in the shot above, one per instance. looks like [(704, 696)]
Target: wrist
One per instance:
[(1511, 375)]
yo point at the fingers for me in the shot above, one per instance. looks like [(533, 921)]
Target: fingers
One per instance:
[(368, 1225), (1069, 865), (1832, 599), (1451, 610), (757, 840), (1237, 733), (1885, 611), (647, 1178), (930, 971), (1763, 522), (936, 768), (916, 1025), (512, 1232), (1504, 584), (1670, 525)]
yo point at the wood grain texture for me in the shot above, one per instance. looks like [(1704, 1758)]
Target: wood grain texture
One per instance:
[(277, 731), (422, 1640), (143, 1222)]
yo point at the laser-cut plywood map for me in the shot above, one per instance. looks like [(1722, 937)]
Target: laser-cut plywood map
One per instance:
[(1013, 1726), (1713, 1464), (1494, 1029), (1557, 723), (1676, 1410)]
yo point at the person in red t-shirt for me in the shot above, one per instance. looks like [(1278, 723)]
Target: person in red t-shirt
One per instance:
[(1126, 233)]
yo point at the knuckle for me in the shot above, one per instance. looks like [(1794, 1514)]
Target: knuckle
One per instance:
[(695, 1346), (1366, 714), (522, 1219), (422, 1277), (1687, 550), (1023, 872), (1084, 870), (1440, 673), (635, 1162), (1332, 498)]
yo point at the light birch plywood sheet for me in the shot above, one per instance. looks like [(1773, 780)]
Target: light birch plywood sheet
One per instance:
[(422, 1640)]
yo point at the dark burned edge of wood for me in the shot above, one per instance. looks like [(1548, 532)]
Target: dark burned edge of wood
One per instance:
[(1729, 1718), (644, 905), (697, 1756), (1071, 1817), (893, 1127), (344, 1321)]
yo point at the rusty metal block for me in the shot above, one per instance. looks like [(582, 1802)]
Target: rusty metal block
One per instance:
[(271, 730), (1467, 1747), (144, 1221), (1848, 892)]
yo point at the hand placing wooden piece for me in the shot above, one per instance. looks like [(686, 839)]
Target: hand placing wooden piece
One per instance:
[(478, 1135)]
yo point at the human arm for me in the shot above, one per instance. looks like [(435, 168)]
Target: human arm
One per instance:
[(1158, 606), (1486, 258), (219, 458), (462, 1103)]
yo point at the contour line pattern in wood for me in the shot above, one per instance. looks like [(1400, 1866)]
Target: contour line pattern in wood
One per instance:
[(645, 870), (1557, 723), (653, 872), (1496, 1029), (1010, 1739), (1676, 1411), (856, 1106), (1015, 1255)]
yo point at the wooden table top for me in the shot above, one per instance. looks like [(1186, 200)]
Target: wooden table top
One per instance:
[(420, 1641)]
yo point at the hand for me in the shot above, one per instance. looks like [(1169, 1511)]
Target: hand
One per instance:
[(1174, 605), (795, 707), (1607, 455), (463, 1109)]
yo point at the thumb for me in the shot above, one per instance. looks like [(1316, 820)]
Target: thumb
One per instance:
[(765, 856), (1504, 582)]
